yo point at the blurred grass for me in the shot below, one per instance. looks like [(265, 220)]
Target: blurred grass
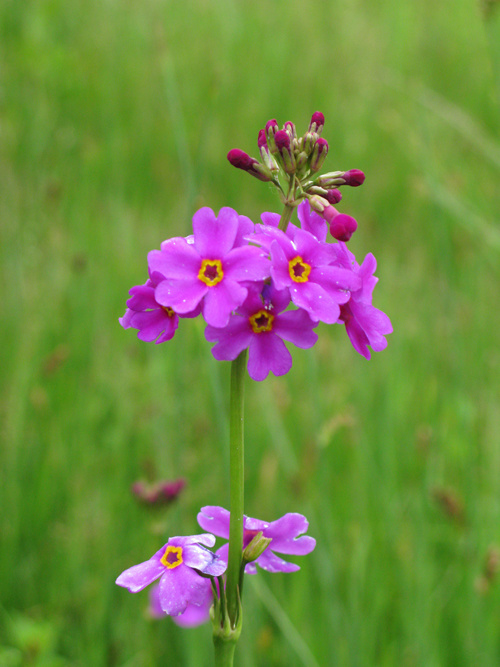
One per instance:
[(115, 119)]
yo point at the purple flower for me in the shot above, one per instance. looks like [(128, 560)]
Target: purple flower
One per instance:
[(177, 564), (365, 324), (303, 264), (212, 269), (193, 615), (154, 321), (261, 325), (284, 534)]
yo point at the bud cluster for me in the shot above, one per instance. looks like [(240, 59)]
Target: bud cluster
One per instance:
[(291, 163)]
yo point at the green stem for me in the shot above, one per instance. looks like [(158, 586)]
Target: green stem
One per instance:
[(224, 652), (289, 205), (236, 468)]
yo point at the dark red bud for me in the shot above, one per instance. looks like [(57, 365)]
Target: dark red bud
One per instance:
[(282, 140), (318, 118), (333, 196), (240, 159), (354, 178), (343, 227), (271, 124), (262, 139)]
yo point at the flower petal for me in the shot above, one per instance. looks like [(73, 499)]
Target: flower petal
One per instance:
[(285, 532), (136, 578), (214, 237), (272, 563), (181, 295), (221, 300), (177, 259), (296, 327), (315, 300), (267, 353), (179, 586), (215, 519)]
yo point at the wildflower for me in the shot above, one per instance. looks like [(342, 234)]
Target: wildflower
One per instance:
[(178, 565), (159, 493), (354, 178), (286, 536), (365, 324), (261, 325), (211, 270)]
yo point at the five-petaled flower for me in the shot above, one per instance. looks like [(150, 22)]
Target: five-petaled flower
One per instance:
[(212, 268), (178, 565), (261, 324), (286, 536)]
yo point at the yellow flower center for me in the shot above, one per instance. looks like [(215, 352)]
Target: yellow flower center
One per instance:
[(299, 270), (172, 557), (211, 272), (261, 321), (168, 310)]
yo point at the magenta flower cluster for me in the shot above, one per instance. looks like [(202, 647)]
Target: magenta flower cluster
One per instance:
[(186, 568), (257, 286)]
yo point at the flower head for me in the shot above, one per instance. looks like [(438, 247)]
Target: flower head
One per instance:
[(286, 536), (177, 564), (261, 325)]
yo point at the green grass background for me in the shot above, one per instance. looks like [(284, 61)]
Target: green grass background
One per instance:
[(115, 120)]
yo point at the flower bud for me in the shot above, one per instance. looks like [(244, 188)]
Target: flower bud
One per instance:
[(331, 179), (242, 160), (271, 129), (282, 139), (301, 159), (317, 203), (317, 122), (354, 178), (290, 128), (333, 196), (267, 158), (319, 154), (342, 226), (256, 547), (159, 493), (310, 138)]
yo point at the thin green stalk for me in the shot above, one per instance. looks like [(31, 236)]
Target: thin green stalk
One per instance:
[(224, 652), (236, 471), (289, 205)]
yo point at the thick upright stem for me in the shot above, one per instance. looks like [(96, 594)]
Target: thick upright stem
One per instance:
[(236, 467)]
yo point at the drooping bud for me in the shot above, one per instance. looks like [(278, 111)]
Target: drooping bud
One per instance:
[(342, 226), (319, 154), (354, 178), (317, 122), (267, 158), (256, 547), (333, 196), (242, 160), (282, 139), (271, 129)]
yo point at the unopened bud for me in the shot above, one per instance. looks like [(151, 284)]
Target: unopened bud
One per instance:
[(267, 158), (354, 178), (271, 129), (290, 128), (256, 547), (318, 203), (317, 122), (310, 138), (333, 196), (242, 160), (331, 179), (342, 226), (282, 140), (159, 493), (319, 154), (301, 159)]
